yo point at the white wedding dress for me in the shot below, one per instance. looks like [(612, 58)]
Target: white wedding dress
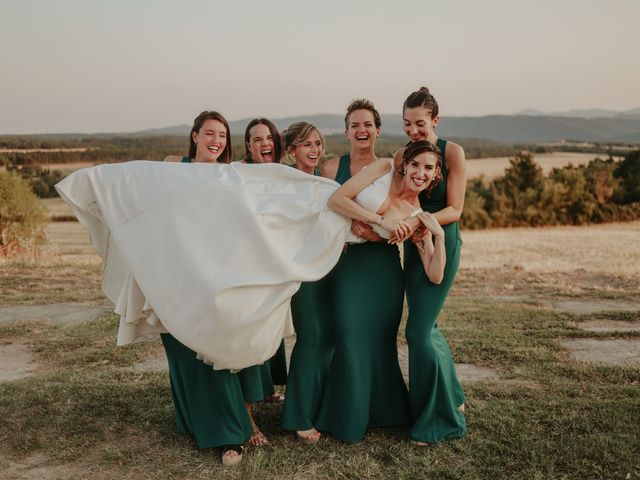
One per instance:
[(211, 253)]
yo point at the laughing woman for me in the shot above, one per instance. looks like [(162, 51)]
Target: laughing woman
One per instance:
[(209, 404), (262, 142), (435, 393), (364, 387), (262, 145), (314, 346)]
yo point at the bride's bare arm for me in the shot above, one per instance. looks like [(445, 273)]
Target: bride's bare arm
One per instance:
[(342, 201), (432, 253)]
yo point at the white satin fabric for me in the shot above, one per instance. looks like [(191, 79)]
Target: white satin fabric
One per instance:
[(210, 253)]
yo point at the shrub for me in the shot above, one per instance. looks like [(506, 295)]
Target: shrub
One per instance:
[(22, 217)]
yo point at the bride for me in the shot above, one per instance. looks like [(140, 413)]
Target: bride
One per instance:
[(212, 253)]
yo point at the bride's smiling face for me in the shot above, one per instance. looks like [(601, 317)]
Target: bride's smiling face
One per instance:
[(420, 171)]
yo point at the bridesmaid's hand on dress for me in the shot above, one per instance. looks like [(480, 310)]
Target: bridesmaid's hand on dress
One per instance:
[(431, 224), (364, 230)]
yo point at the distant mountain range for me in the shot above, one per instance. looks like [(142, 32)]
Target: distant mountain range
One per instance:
[(585, 113), (525, 127)]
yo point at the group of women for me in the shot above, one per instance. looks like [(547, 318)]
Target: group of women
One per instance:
[(344, 376)]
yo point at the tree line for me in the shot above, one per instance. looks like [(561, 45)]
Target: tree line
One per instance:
[(600, 191)]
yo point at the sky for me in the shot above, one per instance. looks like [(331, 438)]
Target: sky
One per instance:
[(126, 65)]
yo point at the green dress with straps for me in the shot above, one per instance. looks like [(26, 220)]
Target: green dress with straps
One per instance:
[(209, 404), (311, 355), (364, 385), (435, 392)]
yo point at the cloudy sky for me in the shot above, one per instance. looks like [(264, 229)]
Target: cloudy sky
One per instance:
[(126, 65)]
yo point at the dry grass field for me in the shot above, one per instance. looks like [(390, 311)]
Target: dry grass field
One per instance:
[(494, 167), (85, 408)]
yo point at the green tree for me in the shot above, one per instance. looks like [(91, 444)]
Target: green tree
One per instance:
[(628, 173), (22, 216)]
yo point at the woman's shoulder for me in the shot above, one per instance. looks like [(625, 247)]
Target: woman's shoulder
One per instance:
[(397, 157), (452, 148), (329, 168)]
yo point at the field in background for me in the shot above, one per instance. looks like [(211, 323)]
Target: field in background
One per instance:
[(494, 167)]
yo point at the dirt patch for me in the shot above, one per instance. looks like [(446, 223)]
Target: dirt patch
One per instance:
[(608, 351), (589, 306), (17, 362), (62, 313), (153, 364), (609, 326), (38, 467), (467, 372)]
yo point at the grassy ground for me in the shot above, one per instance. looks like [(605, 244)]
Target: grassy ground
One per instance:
[(87, 414)]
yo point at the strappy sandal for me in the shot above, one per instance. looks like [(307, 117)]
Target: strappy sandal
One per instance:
[(228, 458), (308, 437), (275, 398)]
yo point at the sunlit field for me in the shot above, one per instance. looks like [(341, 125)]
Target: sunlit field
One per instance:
[(88, 409)]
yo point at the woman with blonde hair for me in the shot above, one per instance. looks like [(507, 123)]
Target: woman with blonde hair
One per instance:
[(313, 350)]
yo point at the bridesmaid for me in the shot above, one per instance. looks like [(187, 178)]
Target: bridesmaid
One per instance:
[(364, 386), (435, 393), (314, 346), (262, 145), (262, 142), (209, 404)]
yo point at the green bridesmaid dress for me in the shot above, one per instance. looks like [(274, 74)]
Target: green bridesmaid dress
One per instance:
[(435, 393), (209, 404), (364, 385), (311, 355)]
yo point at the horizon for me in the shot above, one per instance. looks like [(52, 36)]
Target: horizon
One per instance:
[(74, 66), (247, 119)]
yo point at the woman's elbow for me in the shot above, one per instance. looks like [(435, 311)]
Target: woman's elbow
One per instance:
[(435, 278), (333, 202)]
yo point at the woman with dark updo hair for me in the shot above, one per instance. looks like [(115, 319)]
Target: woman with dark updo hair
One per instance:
[(435, 394)]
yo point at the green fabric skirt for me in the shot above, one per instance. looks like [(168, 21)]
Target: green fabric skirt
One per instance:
[(364, 386), (435, 392), (311, 355), (209, 403)]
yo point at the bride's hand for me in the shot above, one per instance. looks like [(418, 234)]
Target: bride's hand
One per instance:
[(400, 230), (431, 224), (364, 230)]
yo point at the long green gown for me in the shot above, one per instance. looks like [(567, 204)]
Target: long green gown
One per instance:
[(311, 355), (435, 392), (364, 386), (209, 404)]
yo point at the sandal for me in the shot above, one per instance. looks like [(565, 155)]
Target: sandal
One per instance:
[(275, 398), (308, 437), (232, 455)]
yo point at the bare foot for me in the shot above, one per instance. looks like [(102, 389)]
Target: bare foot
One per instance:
[(308, 437)]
